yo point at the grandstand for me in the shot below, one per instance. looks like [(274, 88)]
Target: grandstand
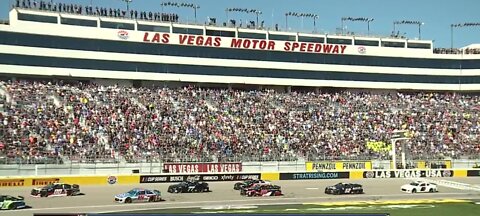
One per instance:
[(49, 122)]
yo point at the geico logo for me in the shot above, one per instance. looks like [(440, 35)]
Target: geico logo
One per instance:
[(210, 178)]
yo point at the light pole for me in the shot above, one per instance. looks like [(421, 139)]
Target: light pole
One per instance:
[(460, 25), (245, 10), (409, 22), (302, 15), (184, 5), (126, 1), (398, 135), (358, 19)]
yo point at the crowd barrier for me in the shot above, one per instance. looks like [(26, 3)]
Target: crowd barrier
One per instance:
[(216, 177)]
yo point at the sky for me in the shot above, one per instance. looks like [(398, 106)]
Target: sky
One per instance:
[(437, 15)]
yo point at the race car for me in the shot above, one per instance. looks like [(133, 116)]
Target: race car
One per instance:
[(56, 189), (243, 190), (189, 187), (344, 188), (262, 190), (249, 183), (139, 195), (10, 202), (419, 187)]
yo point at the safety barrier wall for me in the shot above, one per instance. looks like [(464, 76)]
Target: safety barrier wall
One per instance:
[(216, 177), (81, 169)]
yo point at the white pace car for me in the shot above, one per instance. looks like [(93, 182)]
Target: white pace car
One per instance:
[(419, 187)]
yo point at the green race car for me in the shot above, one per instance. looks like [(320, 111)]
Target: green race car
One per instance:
[(10, 202)]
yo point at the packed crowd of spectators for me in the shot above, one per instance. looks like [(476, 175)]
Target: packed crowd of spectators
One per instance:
[(54, 121), (96, 11), (456, 51)]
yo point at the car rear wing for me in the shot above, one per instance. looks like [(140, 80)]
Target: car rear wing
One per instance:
[(157, 192), (76, 186), (21, 197)]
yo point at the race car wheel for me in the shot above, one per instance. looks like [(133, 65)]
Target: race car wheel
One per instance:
[(151, 199), (128, 200), (431, 190), (69, 193), (43, 194), (12, 206), (414, 191)]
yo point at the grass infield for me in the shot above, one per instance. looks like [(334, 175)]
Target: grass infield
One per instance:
[(394, 208)]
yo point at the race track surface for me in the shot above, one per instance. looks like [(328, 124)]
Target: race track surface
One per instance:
[(99, 199)]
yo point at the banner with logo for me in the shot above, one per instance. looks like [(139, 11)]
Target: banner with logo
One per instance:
[(314, 175), (473, 173), (338, 165), (408, 174), (12, 182), (202, 167), (44, 181), (202, 177)]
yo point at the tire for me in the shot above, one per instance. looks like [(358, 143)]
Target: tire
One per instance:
[(128, 200), (69, 193), (431, 190), (43, 193), (12, 206), (151, 199), (414, 191)]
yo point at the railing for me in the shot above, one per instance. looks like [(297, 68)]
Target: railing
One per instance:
[(220, 24)]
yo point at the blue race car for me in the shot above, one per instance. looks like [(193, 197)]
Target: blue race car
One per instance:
[(139, 195)]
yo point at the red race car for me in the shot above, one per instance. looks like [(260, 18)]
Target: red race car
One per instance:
[(263, 190)]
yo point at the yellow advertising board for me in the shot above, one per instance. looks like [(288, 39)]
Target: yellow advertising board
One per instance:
[(338, 165)]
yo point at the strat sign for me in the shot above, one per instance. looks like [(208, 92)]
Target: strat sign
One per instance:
[(202, 167), (254, 44)]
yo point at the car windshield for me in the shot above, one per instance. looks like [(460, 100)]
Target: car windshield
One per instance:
[(414, 184), (132, 192)]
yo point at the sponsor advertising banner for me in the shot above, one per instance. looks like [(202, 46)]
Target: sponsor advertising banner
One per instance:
[(473, 173), (202, 177), (44, 181), (338, 165), (408, 174), (202, 167), (314, 175), (12, 182)]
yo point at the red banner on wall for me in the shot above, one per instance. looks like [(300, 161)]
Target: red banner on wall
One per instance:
[(202, 167)]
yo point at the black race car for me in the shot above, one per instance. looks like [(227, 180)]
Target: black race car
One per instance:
[(344, 188), (248, 183), (56, 189), (189, 187)]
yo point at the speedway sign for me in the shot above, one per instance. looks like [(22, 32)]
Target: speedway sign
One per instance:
[(408, 174), (338, 165), (202, 167), (240, 43)]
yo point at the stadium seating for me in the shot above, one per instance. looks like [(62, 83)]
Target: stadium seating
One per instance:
[(50, 122)]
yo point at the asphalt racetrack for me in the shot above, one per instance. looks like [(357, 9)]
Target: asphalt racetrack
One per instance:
[(99, 199)]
